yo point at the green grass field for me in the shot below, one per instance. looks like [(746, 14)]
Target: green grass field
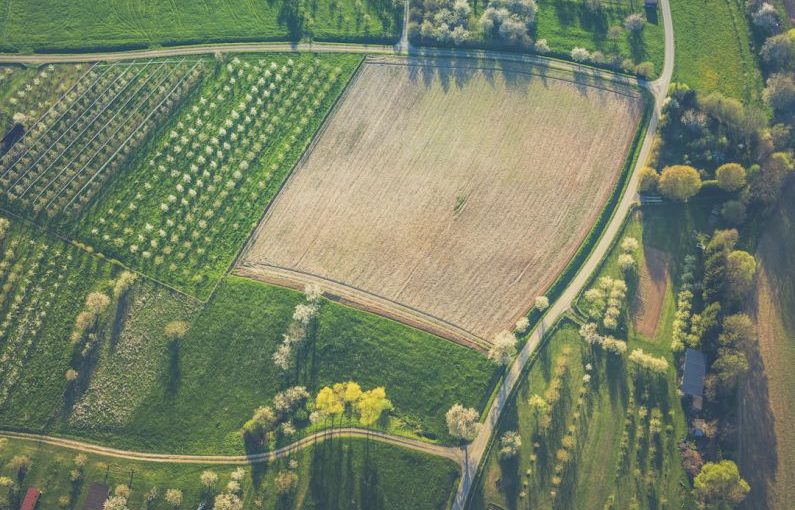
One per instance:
[(566, 24), (143, 396), (66, 25), (336, 474), (712, 48)]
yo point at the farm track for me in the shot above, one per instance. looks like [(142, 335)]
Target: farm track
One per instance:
[(448, 452), (471, 457)]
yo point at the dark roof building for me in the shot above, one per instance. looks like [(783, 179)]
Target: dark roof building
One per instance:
[(693, 374), (31, 498), (97, 495)]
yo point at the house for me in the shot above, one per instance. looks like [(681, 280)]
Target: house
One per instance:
[(96, 497), (31, 498), (693, 373), (651, 4)]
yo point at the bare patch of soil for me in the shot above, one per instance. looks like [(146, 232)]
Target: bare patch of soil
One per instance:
[(652, 283)]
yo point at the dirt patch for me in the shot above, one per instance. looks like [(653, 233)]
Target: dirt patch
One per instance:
[(653, 278), (455, 194)]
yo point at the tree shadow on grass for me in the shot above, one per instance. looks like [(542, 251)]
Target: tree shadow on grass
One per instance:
[(174, 372)]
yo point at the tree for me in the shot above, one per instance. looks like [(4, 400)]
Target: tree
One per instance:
[(767, 181), (738, 331), (71, 375), (740, 271), (634, 22), (779, 93), (123, 283), (541, 303), (286, 481), (766, 18), (510, 444), (209, 479), (19, 464), (626, 262), (538, 404), (580, 54), (227, 501), (503, 349), (328, 402), (729, 366), (731, 176), (719, 485), (679, 182), (115, 503), (462, 423), (263, 422), (691, 458), (174, 497), (371, 405), (175, 330), (648, 179), (779, 51), (97, 302)]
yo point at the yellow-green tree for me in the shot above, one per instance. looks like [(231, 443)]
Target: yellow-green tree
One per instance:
[(329, 402), (731, 176), (679, 182), (371, 405)]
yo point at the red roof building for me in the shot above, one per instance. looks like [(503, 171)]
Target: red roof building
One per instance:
[(31, 498)]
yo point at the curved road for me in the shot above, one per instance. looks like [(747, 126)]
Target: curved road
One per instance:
[(474, 452), (451, 453), (470, 456)]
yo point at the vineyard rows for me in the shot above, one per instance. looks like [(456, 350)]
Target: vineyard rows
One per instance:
[(198, 192), (66, 157)]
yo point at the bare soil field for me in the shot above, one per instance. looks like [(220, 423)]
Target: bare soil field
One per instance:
[(447, 195), (767, 411), (652, 283)]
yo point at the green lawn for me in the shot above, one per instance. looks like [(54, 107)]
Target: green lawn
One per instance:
[(566, 24), (341, 473), (712, 48), (194, 400), (71, 25)]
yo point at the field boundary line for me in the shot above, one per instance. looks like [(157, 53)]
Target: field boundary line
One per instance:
[(449, 452)]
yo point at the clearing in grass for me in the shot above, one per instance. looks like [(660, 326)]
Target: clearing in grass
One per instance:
[(142, 391), (375, 475), (448, 194)]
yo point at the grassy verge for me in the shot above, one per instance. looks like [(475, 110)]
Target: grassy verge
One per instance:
[(340, 473), (712, 48), (143, 395)]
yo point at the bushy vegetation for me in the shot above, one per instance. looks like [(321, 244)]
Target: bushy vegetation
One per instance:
[(193, 196)]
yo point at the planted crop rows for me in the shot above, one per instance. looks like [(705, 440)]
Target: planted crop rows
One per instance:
[(78, 144), (197, 192)]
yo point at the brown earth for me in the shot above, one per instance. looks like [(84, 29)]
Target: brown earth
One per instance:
[(767, 403), (453, 192), (652, 282)]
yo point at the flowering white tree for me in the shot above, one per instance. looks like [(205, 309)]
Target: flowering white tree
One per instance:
[(510, 443), (503, 348), (462, 423), (541, 303), (579, 54)]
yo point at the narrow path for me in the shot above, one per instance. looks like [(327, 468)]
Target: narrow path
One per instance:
[(454, 454), (476, 450)]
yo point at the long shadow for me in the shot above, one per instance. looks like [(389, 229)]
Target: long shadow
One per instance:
[(174, 373), (119, 317)]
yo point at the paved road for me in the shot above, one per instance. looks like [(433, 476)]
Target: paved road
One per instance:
[(474, 452), (453, 454)]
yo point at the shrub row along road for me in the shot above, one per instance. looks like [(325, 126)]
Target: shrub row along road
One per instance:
[(471, 456), (454, 454)]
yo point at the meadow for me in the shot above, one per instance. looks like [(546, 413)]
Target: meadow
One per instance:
[(388, 174), (65, 25), (144, 394), (190, 198), (608, 462), (767, 399), (339, 473), (712, 49)]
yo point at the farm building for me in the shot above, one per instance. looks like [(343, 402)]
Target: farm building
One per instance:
[(97, 495), (693, 377), (31, 498)]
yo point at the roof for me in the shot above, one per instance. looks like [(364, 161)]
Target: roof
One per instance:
[(693, 373), (31, 498), (97, 495)]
